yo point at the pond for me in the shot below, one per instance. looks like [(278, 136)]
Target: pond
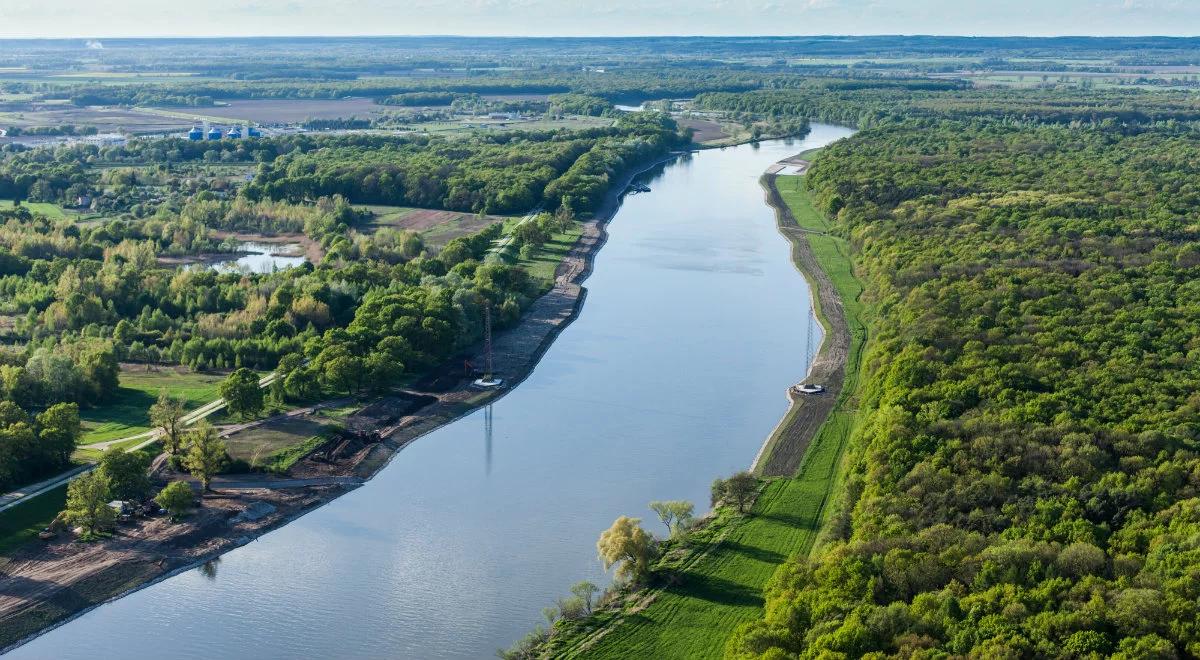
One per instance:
[(257, 257)]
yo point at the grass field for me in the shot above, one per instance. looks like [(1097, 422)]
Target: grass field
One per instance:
[(436, 227), (52, 211), (546, 260), (695, 617), (22, 523), (128, 412), (278, 444)]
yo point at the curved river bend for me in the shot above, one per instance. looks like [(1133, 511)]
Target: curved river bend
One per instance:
[(673, 374)]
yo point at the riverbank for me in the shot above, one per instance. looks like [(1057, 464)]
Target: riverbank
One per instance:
[(702, 597), (783, 450), (55, 583)]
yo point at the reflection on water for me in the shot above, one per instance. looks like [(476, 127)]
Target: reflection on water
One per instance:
[(487, 439), (255, 257), (209, 568), (670, 377)]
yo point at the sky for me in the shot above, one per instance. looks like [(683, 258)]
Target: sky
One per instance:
[(118, 18)]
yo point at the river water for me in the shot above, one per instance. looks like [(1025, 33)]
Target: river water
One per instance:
[(674, 374)]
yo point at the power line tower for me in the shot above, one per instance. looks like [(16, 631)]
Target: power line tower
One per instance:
[(810, 341), (489, 380)]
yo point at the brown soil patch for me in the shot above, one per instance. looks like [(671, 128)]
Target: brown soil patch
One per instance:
[(706, 130), (291, 111)]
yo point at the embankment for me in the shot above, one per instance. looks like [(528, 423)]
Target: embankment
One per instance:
[(783, 450)]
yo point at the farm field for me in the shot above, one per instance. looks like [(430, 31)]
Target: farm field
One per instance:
[(436, 227), (705, 130), (52, 211), (286, 111), (105, 119)]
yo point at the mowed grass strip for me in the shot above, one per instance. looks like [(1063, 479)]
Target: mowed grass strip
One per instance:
[(544, 262), (694, 618)]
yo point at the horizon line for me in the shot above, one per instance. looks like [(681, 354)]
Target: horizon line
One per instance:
[(596, 37)]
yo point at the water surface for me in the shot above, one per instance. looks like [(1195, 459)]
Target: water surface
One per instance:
[(674, 374), (258, 257)]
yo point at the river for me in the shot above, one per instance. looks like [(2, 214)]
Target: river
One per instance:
[(673, 374)]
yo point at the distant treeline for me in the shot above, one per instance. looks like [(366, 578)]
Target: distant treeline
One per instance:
[(861, 103), (503, 173)]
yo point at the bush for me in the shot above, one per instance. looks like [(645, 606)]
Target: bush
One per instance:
[(176, 498)]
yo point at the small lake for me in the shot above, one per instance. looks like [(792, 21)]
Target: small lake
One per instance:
[(256, 257), (674, 374)]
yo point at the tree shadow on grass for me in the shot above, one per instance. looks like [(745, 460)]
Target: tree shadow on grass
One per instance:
[(128, 406), (717, 590), (759, 554), (796, 520)]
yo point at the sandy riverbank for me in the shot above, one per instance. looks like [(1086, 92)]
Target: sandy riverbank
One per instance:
[(43, 586)]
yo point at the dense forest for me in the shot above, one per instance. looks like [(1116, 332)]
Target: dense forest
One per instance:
[(1026, 481), (505, 173)]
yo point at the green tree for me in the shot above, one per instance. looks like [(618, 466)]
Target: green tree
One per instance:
[(87, 504), (206, 453), (167, 416), (243, 397), (738, 490), (585, 591), (629, 547), (177, 498), (675, 514), (345, 372), (59, 431), (126, 472)]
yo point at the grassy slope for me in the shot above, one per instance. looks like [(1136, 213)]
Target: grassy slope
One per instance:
[(693, 619)]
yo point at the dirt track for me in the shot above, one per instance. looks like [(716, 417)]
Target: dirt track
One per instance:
[(784, 449)]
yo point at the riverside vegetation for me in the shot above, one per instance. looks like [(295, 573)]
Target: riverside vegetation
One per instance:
[(379, 306), (1020, 476)]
